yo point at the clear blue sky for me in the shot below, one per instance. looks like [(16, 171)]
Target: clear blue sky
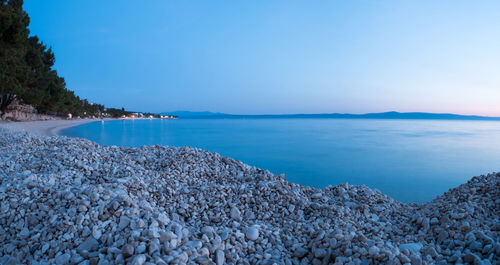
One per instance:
[(254, 57)]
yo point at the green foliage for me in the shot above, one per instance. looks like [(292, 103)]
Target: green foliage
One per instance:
[(5, 100), (26, 67), (117, 113)]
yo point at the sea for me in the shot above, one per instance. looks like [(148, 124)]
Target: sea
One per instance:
[(409, 160)]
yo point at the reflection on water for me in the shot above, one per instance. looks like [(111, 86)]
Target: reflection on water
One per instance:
[(410, 160)]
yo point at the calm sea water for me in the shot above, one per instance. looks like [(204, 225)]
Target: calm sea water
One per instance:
[(410, 160)]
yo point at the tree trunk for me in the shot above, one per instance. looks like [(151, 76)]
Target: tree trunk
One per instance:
[(5, 100)]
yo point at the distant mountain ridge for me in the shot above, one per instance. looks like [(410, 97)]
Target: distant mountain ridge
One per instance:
[(382, 115), (192, 113)]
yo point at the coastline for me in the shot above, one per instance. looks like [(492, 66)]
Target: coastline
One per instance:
[(183, 205), (45, 128), (52, 127)]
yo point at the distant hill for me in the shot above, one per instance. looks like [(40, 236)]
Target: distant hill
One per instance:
[(383, 115)]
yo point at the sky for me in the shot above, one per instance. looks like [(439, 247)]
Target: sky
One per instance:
[(277, 57)]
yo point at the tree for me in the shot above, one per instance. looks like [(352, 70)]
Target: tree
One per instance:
[(5, 100), (26, 68)]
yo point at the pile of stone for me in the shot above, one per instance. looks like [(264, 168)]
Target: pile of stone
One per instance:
[(71, 201)]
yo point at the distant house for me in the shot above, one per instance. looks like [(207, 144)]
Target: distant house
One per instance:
[(168, 117)]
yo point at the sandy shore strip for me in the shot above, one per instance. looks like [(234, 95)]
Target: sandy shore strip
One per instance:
[(45, 128)]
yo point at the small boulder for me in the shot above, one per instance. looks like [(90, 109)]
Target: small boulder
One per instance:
[(139, 259), (89, 245), (414, 247), (127, 250), (63, 259), (252, 233)]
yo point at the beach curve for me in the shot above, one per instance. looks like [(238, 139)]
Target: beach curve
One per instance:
[(44, 128)]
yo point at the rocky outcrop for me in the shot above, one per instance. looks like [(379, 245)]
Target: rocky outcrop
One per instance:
[(71, 201), (17, 111)]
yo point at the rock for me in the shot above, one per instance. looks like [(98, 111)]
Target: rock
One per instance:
[(45, 247), (373, 251), (153, 247), (476, 246), (24, 233), (141, 248), (415, 247), (426, 224), (220, 258), (300, 252), (167, 236), (63, 259), (139, 259), (163, 219), (96, 232), (403, 258), (319, 253), (183, 257), (202, 260), (235, 214), (76, 259), (196, 244), (443, 235), (208, 230), (416, 259), (430, 251), (127, 250), (89, 245), (252, 233), (174, 243), (204, 252), (472, 258), (124, 222)]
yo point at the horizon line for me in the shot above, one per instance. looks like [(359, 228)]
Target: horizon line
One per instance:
[(334, 113)]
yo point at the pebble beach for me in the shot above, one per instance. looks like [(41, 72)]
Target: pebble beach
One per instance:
[(71, 201)]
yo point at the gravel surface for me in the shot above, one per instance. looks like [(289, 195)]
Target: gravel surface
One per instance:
[(71, 201)]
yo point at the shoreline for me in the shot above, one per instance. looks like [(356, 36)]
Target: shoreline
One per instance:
[(47, 127), (53, 127), (84, 202)]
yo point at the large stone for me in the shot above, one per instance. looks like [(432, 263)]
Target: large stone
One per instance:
[(63, 259), (203, 260), (220, 258), (300, 252), (124, 222), (319, 253), (89, 245), (373, 251), (25, 232), (96, 232), (252, 233), (235, 214), (167, 236), (472, 258), (139, 259), (128, 250), (414, 247), (476, 246)]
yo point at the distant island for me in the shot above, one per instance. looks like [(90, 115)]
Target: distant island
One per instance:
[(382, 115)]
